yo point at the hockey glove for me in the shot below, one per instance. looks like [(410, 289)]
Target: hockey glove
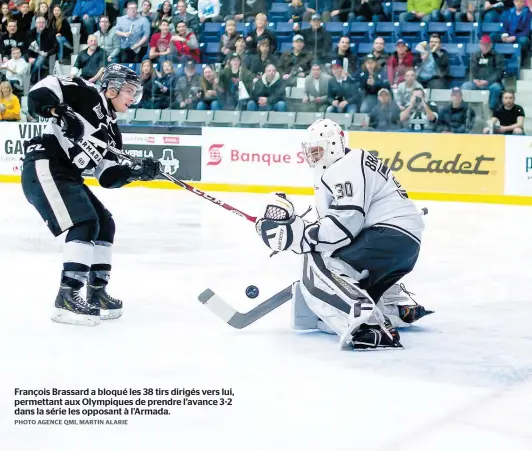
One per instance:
[(145, 170), (72, 125), (278, 227)]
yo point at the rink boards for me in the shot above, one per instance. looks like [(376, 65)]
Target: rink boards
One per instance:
[(469, 168)]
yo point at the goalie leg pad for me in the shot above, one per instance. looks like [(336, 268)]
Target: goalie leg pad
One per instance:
[(303, 318)]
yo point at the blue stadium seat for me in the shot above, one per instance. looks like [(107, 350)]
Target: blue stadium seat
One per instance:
[(442, 28), (512, 56), (457, 74), (212, 29), (361, 31), (387, 30), (399, 7), (286, 47), (284, 28), (472, 48), (490, 27), (337, 29), (389, 48), (305, 25), (456, 52), (363, 48), (278, 12), (465, 32), (243, 28), (413, 31), (210, 52)]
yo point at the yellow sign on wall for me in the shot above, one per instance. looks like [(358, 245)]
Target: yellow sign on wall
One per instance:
[(439, 163)]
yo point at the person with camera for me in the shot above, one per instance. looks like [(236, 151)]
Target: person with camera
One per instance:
[(190, 86), (422, 116), (295, 64)]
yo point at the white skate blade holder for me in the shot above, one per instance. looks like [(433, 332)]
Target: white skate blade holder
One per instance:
[(110, 314), (66, 317)]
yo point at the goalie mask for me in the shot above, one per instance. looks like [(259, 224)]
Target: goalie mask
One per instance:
[(324, 144)]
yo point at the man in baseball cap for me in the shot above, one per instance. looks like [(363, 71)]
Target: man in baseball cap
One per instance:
[(317, 38)]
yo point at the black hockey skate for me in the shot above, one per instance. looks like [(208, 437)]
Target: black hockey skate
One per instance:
[(376, 337), (71, 308), (97, 296)]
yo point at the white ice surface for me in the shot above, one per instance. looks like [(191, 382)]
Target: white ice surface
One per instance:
[(464, 381)]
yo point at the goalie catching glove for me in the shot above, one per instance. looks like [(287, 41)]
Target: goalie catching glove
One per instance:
[(280, 228)]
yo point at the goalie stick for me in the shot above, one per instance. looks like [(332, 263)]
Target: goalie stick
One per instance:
[(240, 320)]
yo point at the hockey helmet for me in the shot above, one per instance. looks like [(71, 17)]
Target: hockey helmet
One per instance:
[(324, 144), (117, 75)]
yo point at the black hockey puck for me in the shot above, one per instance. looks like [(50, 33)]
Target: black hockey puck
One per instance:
[(252, 292)]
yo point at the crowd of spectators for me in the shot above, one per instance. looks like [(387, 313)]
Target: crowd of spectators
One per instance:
[(164, 42)]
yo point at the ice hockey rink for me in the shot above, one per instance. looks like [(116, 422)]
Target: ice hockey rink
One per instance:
[(463, 382)]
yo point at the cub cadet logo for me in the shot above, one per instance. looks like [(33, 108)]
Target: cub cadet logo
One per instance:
[(215, 155), (424, 162)]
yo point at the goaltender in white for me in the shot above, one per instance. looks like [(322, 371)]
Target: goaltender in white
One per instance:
[(366, 238)]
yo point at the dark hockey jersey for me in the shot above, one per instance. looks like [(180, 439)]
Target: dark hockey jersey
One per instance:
[(101, 130)]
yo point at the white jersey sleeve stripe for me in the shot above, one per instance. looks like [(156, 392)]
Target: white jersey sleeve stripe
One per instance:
[(348, 207)]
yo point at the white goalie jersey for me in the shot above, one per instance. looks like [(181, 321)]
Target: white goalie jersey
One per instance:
[(357, 192)]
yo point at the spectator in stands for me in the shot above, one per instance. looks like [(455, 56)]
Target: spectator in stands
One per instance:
[(386, 115), (168, 93), (509, 118), (108, 41), (67, 7), (228, 39), (149, 87), (164, 13), (235, 84), (406, 87), (427, 72), (240, 50), (9, 103), (345, 10), (24, 18), (378, 52), (401, 60), (343, 52), (516, 27), (209, 91), (134, 32), (371, 80), (441, 56), (448, 12), (13, 38), (317, 39), (190, 20), (42, 11), (6, 16), (419, 10), (494, 9), (296, 63), (209, 11), (367, 11), (422, 116), (87, 12), (316, 88), (161, 43), (42, 45), (261, 32), (487, 70), (61, 29), (145, 11), (457, 116), (470, 11), (190, 86), (186, 44), (256, 63), (90, 62), (16, 70), (342, 91), (295, 13), (248, 10), (321, 8), (268, 92)]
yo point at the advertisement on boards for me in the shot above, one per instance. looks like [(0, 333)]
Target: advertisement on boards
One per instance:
[(13, 135), (439, 163), (254, 157), (518, 166)]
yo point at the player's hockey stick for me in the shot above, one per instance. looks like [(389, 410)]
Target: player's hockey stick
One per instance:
[(240, 320), (190, 188)]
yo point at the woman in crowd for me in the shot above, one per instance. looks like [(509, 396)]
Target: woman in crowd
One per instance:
[(209, 91), (164, 13), (257, 63), (9, 103), (41, 11), (149, 87), (6, 16), (168, 93), (228, 39), (62, 32)]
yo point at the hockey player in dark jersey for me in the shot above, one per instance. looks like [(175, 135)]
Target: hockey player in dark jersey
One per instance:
[(80, 137)]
